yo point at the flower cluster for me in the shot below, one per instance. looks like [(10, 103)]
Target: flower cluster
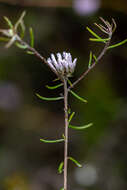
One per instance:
[(63, 65)]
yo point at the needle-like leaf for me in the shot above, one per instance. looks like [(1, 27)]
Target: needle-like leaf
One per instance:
[(93, 33), (80, 127), (52, 141), (22, 25), (8, 22), (69, 82), (49, 99), (30, 52), (56, 79), (90, 60), (31, 37), (10, 42), (21, 46), (118, 44), (20, 20), (75, 161), (54, 87), (95, 58), (71, 116), (4, 39), (78, 97), (99, 40), (60, 168)]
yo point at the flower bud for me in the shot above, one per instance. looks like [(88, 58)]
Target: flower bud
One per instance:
[(62, 64)]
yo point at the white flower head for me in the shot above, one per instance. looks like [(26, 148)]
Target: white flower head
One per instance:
[(62, 64)]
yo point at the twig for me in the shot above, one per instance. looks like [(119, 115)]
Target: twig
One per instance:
[(36, 53), (92, 66), (108, 29)]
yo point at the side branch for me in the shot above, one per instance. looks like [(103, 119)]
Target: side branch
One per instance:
[(37, 54), (92, 66), (107, 29), (33, 50)]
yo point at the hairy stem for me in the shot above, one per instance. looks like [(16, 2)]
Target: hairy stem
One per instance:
[(66, 133)]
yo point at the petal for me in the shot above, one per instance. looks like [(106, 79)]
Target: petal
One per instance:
[(49, 61), (69, 57), (64, 55), (72, 65), (59, 61), (74, 62), (54, 61), (59, 56), (65, 64)]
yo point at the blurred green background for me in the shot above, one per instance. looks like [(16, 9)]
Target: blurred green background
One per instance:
[(25, 162)]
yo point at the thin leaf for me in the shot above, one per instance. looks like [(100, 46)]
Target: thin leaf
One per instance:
[(56, 79), (63, 136), (30, 52), (99, 40), (54, 87), (31, 37), (10, 42), (78, 97), (115, 26), (20, 20), (118, 44), (4, 39), (49, 99), (102, 28), (69, 110), (71, 116), (80, 127), (21, 46), (90, 60), (8, 22), (22, 29), (95, 58), (75, 161), (60, 168), (51, 141), (62, 188), (70, 83), (93, 33)]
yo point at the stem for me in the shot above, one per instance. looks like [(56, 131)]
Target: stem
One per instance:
[(66, 133)]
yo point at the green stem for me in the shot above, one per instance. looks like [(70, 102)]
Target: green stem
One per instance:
[(66, 133)]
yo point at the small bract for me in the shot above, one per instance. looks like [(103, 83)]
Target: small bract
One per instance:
[(63, 64)]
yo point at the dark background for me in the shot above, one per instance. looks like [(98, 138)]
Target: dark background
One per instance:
[(25, 162)]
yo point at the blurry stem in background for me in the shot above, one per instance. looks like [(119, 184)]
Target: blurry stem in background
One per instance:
[(66, 133), (39, 3)]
